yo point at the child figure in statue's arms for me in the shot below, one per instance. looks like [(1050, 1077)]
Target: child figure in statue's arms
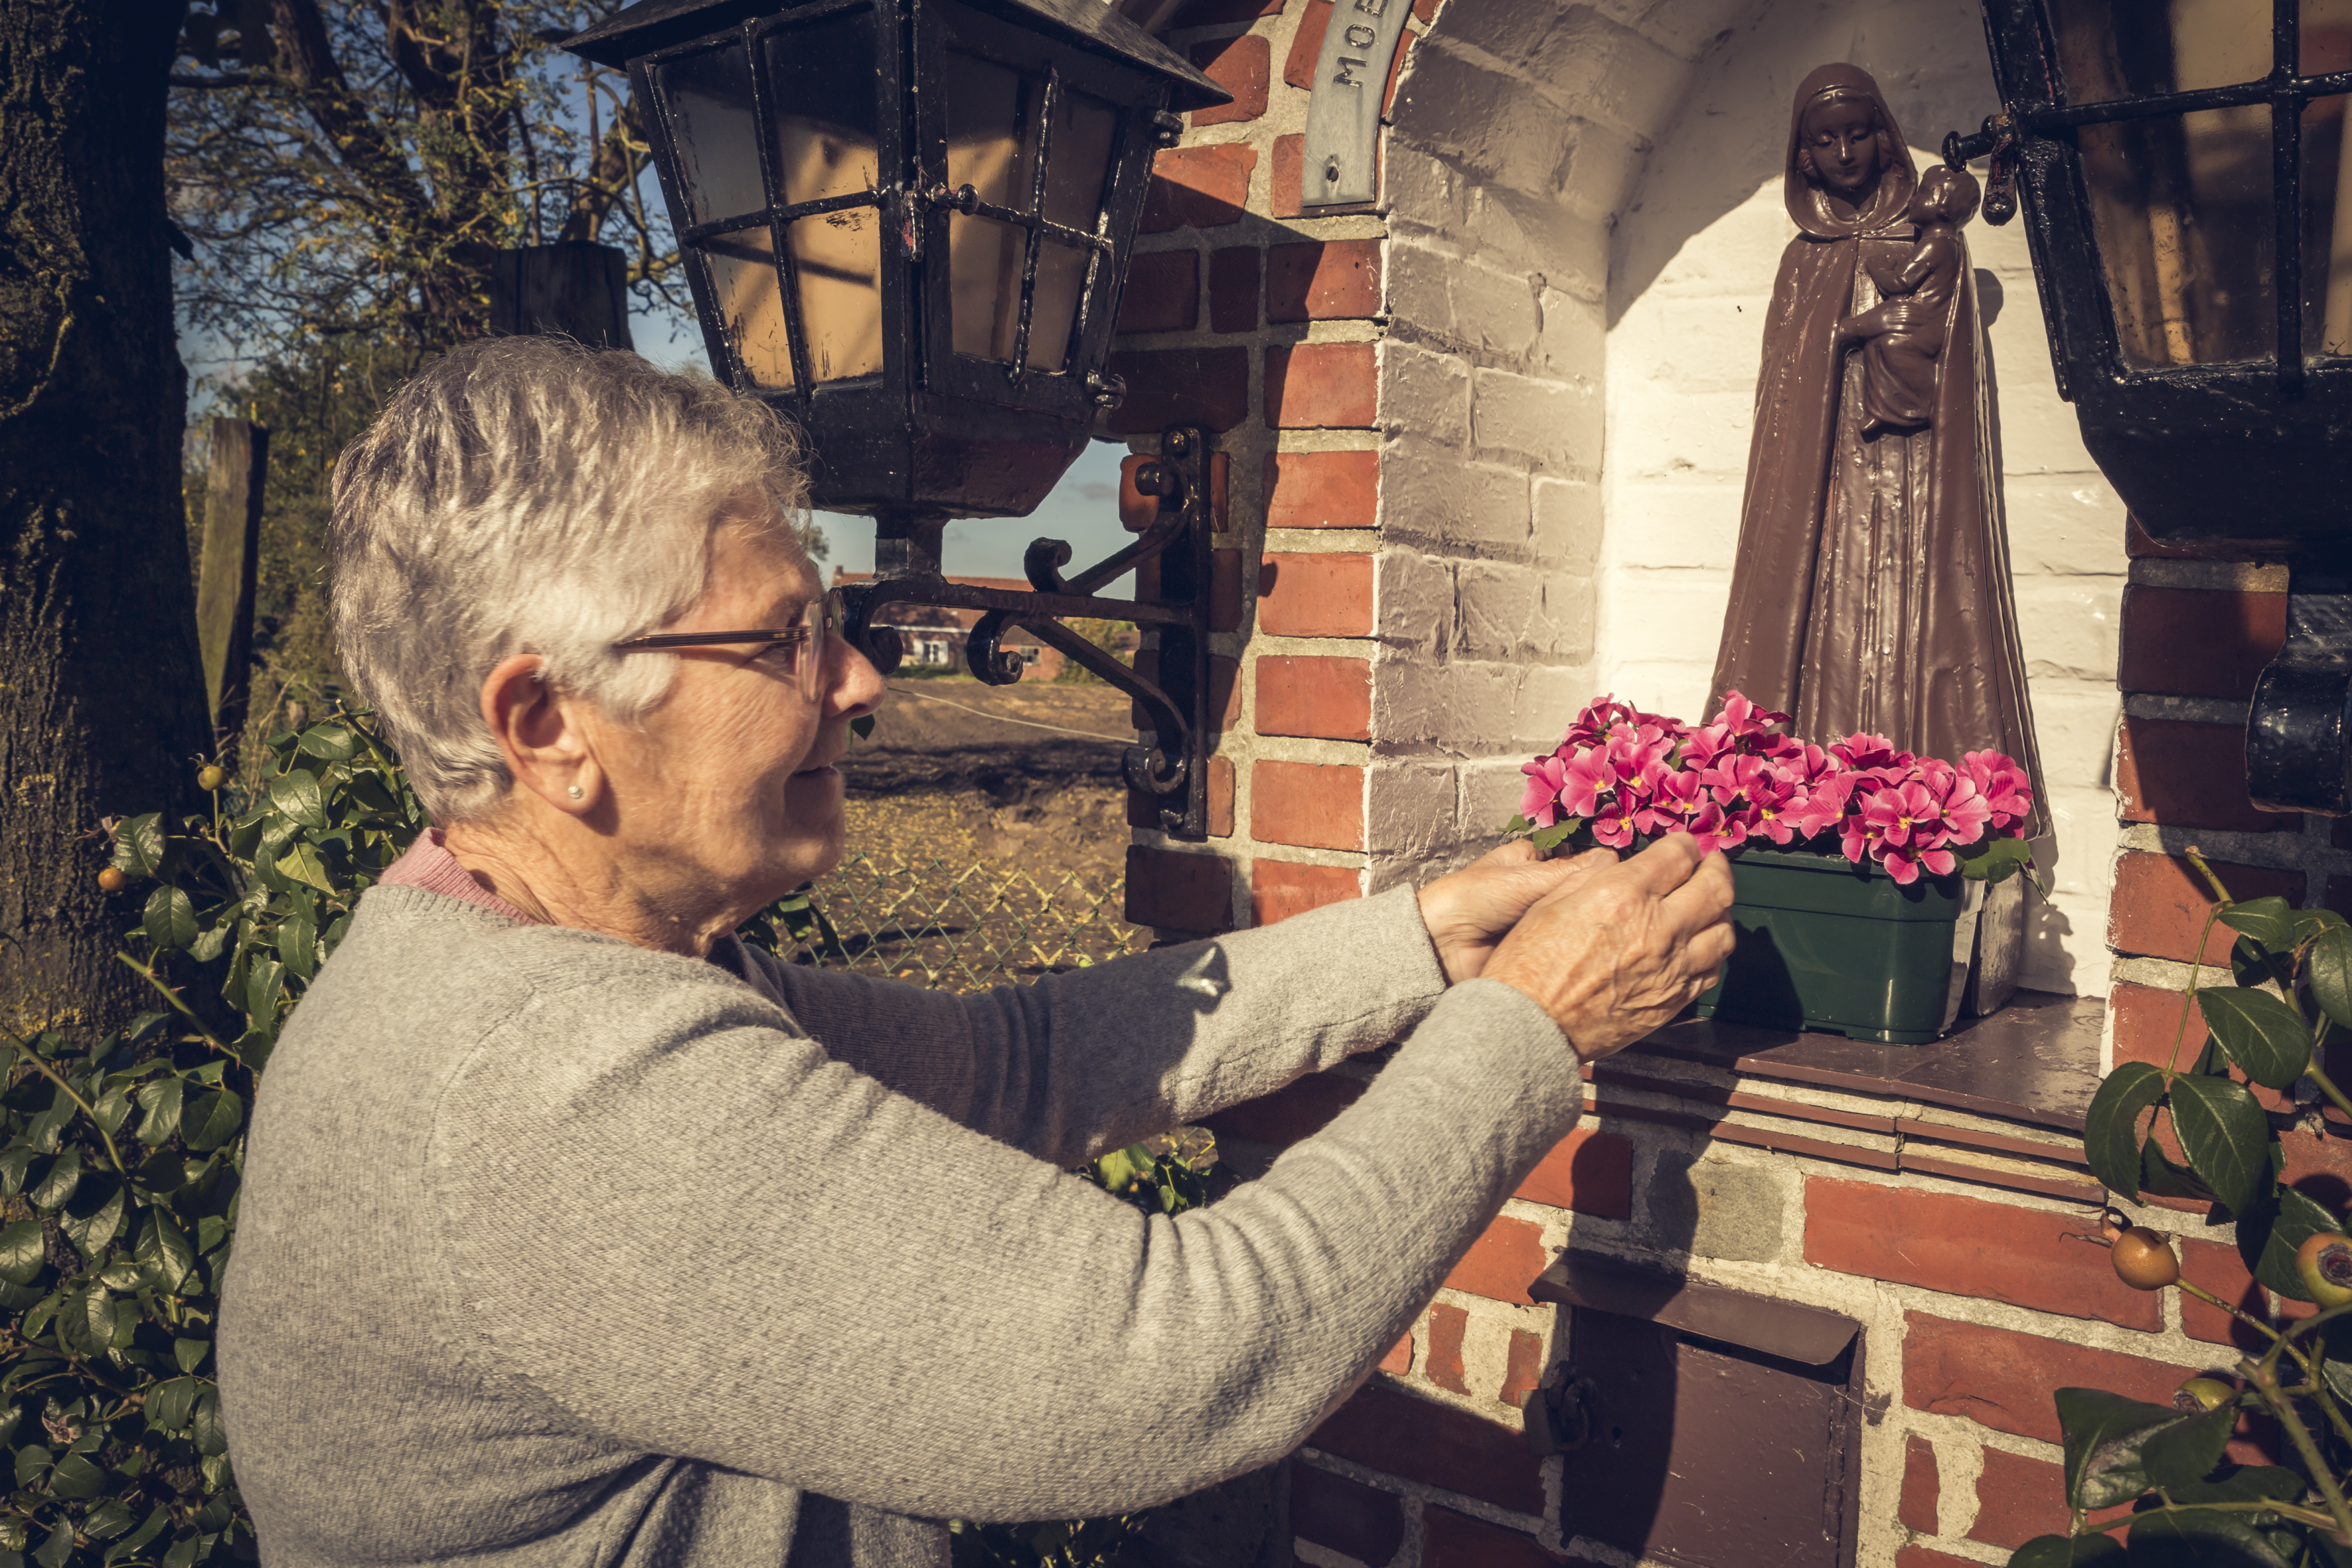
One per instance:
[(1899, 363)]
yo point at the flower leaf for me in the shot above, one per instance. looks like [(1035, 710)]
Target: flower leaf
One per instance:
[(2268, 1039), (2111, 1127), (2226, 1137), (2270, 921)]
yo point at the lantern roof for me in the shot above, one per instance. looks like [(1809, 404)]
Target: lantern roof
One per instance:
[(1092, 25)]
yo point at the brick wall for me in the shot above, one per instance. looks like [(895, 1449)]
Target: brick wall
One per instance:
[(1482, 453)]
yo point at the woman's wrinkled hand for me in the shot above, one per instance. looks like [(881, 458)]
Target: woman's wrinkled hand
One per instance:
[(1614, 953), (1472, 911)]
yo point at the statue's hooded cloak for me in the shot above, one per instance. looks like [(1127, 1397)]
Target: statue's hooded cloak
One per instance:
[(1871, 587)]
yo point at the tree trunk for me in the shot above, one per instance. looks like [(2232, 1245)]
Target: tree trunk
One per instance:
[(101, 709)]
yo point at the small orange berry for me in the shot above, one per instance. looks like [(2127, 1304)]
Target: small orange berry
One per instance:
[(2144, 1260), (113, 880)]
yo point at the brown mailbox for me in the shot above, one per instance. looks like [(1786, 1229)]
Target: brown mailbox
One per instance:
[(1701, 1426)]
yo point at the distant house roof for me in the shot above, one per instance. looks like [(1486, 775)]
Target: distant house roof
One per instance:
[(943, 618)]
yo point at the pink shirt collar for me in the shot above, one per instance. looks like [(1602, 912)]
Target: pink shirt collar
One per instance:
[(429, 865)]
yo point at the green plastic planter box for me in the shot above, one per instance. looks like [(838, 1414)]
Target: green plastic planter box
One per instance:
[(1826, 945)]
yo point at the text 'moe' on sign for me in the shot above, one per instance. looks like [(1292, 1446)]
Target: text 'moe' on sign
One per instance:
[(1343, 118)]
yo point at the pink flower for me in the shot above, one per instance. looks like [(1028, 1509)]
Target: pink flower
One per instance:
[(1614, 827), (1604, 713), (1541, 804), (1675, 798), (1873, 753), (2008, 793), (1755, 794), (1589, 778)]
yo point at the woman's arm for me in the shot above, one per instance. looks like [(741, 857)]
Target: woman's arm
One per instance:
[(1098, 1057)]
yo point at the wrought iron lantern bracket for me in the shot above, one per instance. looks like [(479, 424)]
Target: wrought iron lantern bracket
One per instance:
[(1171, 767)]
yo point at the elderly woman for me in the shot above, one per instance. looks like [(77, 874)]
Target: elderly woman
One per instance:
[(574, 1231)]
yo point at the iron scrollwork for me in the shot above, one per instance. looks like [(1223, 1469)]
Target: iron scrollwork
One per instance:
[(1171, 767)]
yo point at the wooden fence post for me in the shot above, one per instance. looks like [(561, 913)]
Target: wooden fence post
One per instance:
[(576, 289), (232, 551)]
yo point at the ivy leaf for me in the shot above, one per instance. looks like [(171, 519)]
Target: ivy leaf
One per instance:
[(109, 1517), (58, 1185), (2269, 1235), (13, 1160), (211, 1119), (2268, 1039), (2270, 921), (2202, 1535), (205, 1426), (2329, 970), (95, 1215), (2068, 1552), (164, 1252), (140, 845), (2102, 1462), (131, 1545), (2111, 1127), (170, 917), (2241, 1483), (1993, 861), (54, 1552), (2226, 1138), (296, 796), (76, 1477), (2187, 1450), (264, 982), (297, 946), (23, 1252), (190, 1353), (160, 1100), (209, 943), (1549, 839), (329, 743), (302, 862), (170, 1403)]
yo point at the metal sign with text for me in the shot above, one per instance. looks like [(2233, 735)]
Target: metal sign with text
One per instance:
[(1339, 166)]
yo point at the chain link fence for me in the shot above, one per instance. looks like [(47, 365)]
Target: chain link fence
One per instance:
[(956, 927)]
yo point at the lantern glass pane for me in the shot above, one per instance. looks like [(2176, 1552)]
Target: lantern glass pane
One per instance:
[(2327, 228), (991, 129), (751, 304), (2181, 209), (984, 258), (2111, 50), (839, 258), (820, 79), (707, 98), (1077, 158)]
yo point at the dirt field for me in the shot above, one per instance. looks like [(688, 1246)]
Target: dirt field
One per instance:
[(946, 771)]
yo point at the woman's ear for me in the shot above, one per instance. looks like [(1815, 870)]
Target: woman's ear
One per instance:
[(540, 735)]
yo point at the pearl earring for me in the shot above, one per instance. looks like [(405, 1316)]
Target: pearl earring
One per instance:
[(575, 791)]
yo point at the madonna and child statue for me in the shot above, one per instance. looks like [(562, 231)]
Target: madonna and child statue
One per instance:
[(1871, 591)]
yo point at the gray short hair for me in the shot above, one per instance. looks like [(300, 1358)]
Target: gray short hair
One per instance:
[(528, 495)]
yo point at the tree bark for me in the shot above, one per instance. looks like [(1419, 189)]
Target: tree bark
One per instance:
[(101, 708)]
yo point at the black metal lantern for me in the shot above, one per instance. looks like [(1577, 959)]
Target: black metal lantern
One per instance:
[(906, 223), (2187, 185), (2187, 170)]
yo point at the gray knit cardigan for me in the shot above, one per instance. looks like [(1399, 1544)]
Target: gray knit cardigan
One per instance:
[(556, 1250)]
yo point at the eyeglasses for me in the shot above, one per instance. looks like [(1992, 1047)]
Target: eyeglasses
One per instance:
[(808, 641)]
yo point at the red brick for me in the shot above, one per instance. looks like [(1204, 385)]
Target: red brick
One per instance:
[(2019, 1499), (1198, 187), (1179, 892), (1922, 1489), (1444, 1364), (1310, 805), (2320, 1164), (1590, 1171), (1204, 387), (1220, 14), (2216, 1267), (1224, 676), (1164, 293), (1965, 1246), (2191, 775), (1220, 470), (1319, 595), (1336, 280), (1321, 387), (2188, 642), (1365, 1522), (1241, 66), (1502, 1262), (2148, 1017), (1425, 10), (1224, 590), (1143, 810), (2159, 904), (1307, 43), (1322, 489), (1232, 289), (1383, 1428), (1289, 152), (1281, 889), (2000, 1379), (1399, 1360), (1523, 1370), (1451, 1540), (1315, 696), (1299, 1109), (1928, 1557)]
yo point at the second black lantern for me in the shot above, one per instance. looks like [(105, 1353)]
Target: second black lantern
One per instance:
[(908, 221)]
